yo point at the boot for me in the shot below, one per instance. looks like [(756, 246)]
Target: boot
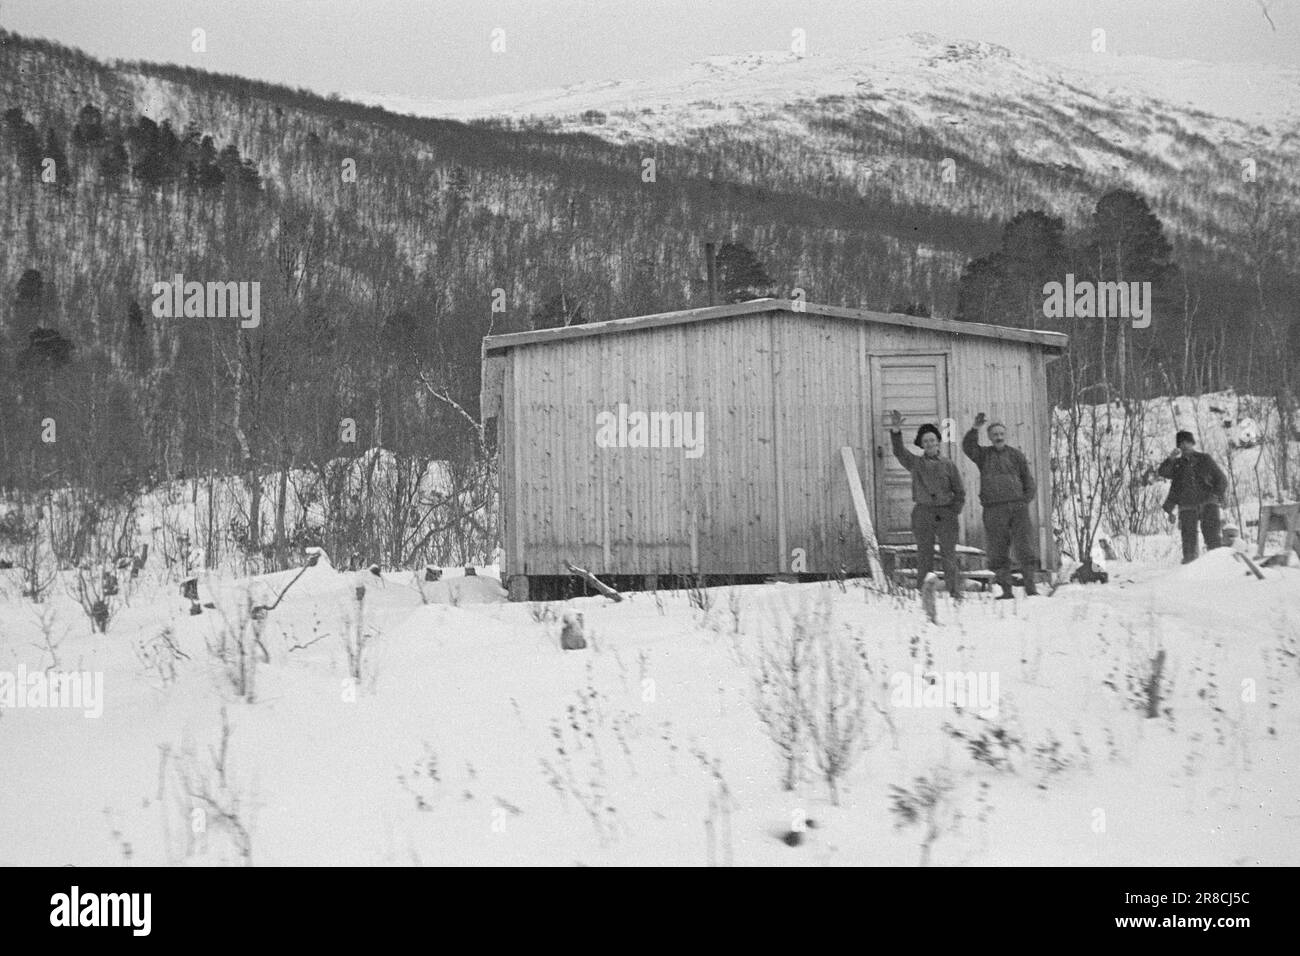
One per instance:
[(1006, 594), (1031, 587)]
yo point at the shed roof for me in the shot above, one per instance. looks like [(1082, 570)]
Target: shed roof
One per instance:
[(1053, 341)]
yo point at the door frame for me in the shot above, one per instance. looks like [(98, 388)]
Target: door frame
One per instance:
[(879, 439)]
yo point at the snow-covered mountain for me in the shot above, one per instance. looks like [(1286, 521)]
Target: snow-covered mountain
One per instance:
[(1021, 132), (916, 72)]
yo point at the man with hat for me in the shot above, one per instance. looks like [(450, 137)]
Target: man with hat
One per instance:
[(1197, 487), (1006, 488), (937, 495)]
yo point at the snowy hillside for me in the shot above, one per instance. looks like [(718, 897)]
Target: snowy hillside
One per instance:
[(881, 116), (1148, 721), (933, 79)]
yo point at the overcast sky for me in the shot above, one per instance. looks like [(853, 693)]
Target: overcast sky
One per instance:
[(433, 49)]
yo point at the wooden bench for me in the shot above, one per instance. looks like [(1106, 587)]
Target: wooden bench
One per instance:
[(982, 579), (900, 563)]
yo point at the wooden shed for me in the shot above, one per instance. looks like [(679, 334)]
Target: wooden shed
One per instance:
[(708, 441)]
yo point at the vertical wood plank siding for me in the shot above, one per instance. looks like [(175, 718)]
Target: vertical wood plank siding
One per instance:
[(780, 392)]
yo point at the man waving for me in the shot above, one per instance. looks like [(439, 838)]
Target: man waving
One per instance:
[(1006, 488)]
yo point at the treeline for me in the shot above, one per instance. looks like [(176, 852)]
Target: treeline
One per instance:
[(1200, 332)]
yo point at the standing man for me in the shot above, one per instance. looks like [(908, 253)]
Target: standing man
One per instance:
[(1197, 489), (1006, 488), (937, 495)]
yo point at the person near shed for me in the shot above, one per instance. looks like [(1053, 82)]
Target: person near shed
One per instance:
[(1006, 488), (937, 495), (1197, 486)]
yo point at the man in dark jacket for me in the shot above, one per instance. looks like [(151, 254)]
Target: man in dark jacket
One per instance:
[(1006, 488), (1197, 487), (938, 496)]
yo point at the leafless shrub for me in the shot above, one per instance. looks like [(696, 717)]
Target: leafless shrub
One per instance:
[(32, 556), (928, 803), (989, 742), (541, 612), (735, 607), (579, 770), (160, 655), (1102, 476), (1051, 758), (779, 678), (210, 800), (698, 596), (837, 696), (424, 781), (45, 619), (357, 638), (92, 592), (717, 825), (237, 644), (1142, 678), (812, 692)]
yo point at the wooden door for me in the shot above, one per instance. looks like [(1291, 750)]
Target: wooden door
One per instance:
[(917, 386)]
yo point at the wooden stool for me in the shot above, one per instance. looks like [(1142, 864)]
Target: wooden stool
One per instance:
[(1284, 517)]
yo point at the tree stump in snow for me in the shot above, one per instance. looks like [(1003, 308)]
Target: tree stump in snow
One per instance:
[(571, 636)]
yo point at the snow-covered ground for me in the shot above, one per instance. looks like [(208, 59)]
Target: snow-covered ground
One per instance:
[(472, 738)]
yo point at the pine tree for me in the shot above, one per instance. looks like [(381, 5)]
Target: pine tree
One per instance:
[(1127, 244), (1006, 286), (89, 130), (26, 141), (741, 275), (114, 164)]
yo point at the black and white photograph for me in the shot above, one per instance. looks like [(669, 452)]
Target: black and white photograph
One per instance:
[(650, 433)]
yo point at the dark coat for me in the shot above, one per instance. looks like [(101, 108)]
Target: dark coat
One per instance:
[(1005, 477), (1194, 480), (935, 481)]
